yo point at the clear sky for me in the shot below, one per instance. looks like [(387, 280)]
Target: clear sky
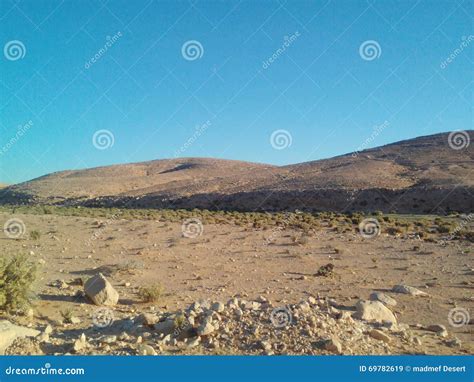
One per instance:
[(222, 78)]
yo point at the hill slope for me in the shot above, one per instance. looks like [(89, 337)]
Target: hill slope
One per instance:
[(419, 175)]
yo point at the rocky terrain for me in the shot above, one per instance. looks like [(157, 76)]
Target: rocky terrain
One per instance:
[(149, 284), (432, 174)]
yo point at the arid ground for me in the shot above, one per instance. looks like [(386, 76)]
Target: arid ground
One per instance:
[(252, 264)]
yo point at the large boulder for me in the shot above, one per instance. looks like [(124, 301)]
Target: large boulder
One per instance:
[(100, 291), (10, 332), (374, 311)]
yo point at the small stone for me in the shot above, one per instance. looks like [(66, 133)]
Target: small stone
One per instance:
[(205, 329), (80, 344), (74, 320), (43, 337), (437, 328), (145, 349), (218, 307), (406, 289), (165, 327), (48, 329), (149, 319), (383, 298), (192, 342), (379, 335), (109, 339), (333, 345)]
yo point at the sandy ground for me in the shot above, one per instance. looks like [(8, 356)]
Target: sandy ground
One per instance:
[(228, 260)]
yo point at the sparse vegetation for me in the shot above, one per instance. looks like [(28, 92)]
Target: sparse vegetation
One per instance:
[(151, 293), (35, 235), (17, 275)]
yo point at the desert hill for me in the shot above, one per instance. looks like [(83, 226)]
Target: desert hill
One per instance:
[(419, 175)]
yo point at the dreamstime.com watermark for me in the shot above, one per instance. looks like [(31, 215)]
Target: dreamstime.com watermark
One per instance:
[(44, 370), (103, 139), (110, 41), (192, 228), (376, 130), (369, 228), (465, 41), (287, 42), (370, 50), (14, 228), (14, 50), (22, 130), (459, 227), (197, 133), (192, 50)]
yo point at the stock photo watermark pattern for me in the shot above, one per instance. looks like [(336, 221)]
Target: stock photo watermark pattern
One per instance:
[(109, 42), (192, 228), (465, 42), (459, 140), (14, 50), (14, 228), (103, 139), (287, 42), (21, 131), (281, 317), (458, 317), (281, 139), (369, 228), (192, 50), (370, 50)]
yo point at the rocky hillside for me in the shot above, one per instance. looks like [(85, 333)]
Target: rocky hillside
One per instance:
[(421, 175)]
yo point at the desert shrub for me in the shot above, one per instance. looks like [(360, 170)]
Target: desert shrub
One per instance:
[(17, 275), (35, 235), (67, 316), (151, 293)]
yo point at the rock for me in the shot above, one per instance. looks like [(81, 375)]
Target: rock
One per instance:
[(383, 298), (265, 345), (100, 291), (218, 307), (379, 335), (9, 332), (192, 342), (312, 300), (48, 329), (148, 319), (145, 349), (406, 289), (304, 306), (43, 337), (109, 339), (74, 320), (436, 328), (80, 344), (205, 329), (333, 345), (374, 311), (165, 327)]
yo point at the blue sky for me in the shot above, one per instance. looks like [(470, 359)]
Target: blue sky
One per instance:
[(76, 68)]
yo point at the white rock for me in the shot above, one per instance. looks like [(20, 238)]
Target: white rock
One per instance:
[(406, 289), (379, 335), (383, 298), (9, 332), (374, 311)]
